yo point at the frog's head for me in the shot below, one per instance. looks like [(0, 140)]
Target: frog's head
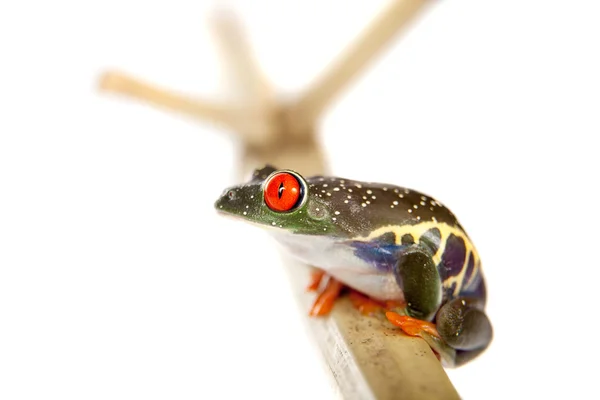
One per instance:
[(278, 199)]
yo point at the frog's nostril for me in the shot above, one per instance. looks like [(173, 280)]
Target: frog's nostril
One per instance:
[(231, 195)]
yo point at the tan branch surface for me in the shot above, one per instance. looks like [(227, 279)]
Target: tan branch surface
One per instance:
[(368, 358), (314, 101)]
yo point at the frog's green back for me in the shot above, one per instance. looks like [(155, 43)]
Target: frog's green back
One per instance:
[(361, 208)]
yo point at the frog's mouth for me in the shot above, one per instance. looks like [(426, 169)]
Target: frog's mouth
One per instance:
[(240, 218)]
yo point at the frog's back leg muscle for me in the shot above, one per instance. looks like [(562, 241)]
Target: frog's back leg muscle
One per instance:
[(461, 323), (464, 326)]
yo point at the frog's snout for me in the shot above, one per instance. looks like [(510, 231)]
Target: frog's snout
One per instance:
[(226, 202)]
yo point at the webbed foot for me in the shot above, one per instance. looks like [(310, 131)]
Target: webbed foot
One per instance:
[(412, 326)]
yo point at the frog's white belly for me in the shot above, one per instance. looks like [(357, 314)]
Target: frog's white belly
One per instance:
[(338, 260)]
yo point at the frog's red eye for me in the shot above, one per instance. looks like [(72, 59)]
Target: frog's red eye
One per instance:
[(282, 192)]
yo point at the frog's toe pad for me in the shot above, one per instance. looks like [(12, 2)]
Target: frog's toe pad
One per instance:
[(411, 326)]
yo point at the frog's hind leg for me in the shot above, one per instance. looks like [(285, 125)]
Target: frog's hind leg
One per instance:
[(463, 325), (418, 277)]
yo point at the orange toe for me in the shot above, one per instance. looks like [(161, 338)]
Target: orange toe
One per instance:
[(316, 276), (412, 326), (326, 299)]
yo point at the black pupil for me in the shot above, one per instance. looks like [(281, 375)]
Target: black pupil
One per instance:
[(280, 190)]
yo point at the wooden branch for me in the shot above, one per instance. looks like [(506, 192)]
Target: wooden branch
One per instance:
[(248, 79), (313, 102), (368, 358), (252, 124), (117, 82)]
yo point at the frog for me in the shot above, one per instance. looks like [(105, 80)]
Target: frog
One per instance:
[(393, 247)]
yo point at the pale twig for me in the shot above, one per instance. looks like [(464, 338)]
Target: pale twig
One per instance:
[(250, 124), (117, 82), (311, 105), (243, 69), (369, 360)]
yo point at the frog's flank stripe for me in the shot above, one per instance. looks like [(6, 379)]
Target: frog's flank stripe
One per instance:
[(460, 248), (470, 268), (454, 256)]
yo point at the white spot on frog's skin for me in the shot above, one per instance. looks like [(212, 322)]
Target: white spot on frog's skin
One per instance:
[(423, 203), (409, 210), (418, 218), (334, 219), (415, 206), (392, 206), (384, 189), (349, 196), (406, 191), (342, 181), (401, 195), (364, 197), (368, 202), (395, 190), (273, 223), (350, 190), (317, 209), (321, 179), (323, 191), (325, 185), (423, 198), (432, 203), (220, 206), (395, 202), (433, 219), (431, 208), (369, 191), (346, 201), (324, 229), (336, 189), (337, 213), (373, 197), (245, 213), (252, 196), (247, 206), (358, 185), (364, 204), (328, 194)]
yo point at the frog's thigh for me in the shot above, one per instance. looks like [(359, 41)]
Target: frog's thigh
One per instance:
[(464, 326), (419, 280)]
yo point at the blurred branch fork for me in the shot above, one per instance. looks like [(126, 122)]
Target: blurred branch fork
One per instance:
[(368, 359)]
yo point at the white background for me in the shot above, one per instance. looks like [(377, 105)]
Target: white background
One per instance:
[(117, 279)]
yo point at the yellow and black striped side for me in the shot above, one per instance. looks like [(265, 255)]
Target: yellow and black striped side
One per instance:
[(452, 251)]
